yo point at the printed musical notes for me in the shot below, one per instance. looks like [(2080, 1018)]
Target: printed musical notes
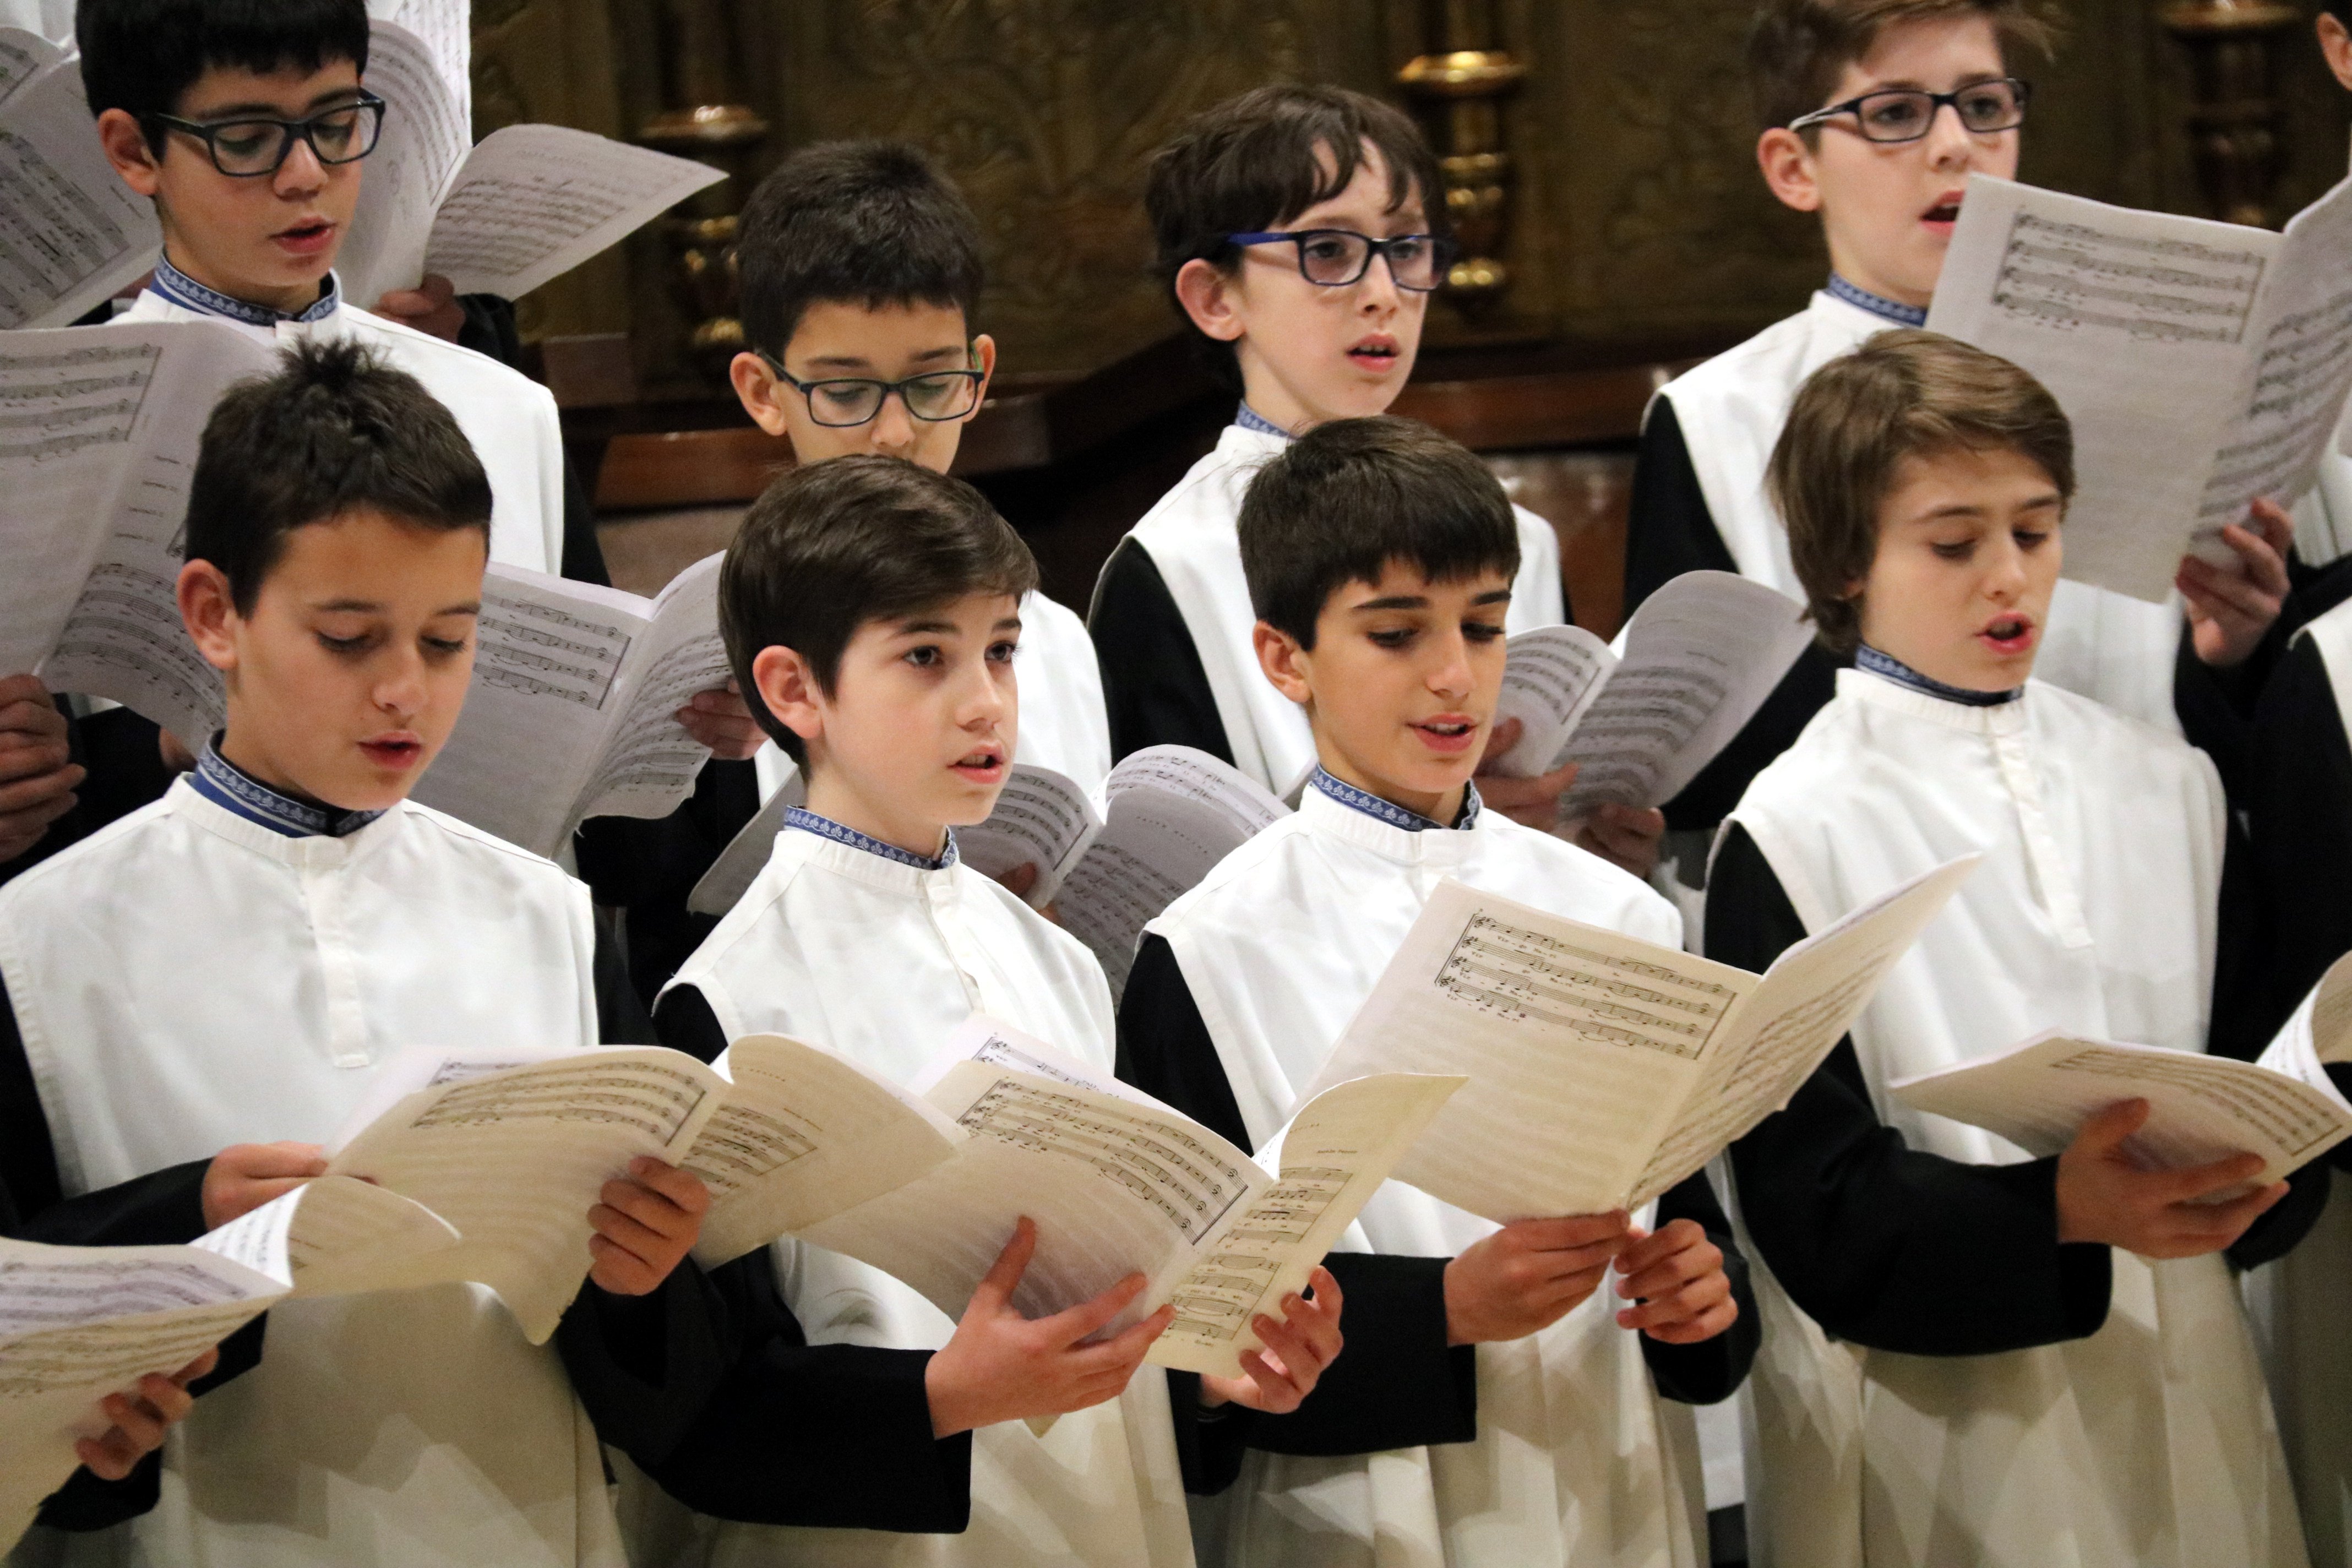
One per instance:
[(2081, 274), (72, 234)]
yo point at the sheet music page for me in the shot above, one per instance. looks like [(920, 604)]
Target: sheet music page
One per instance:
[(426, 135), (446, 29), (1114, 1189), (22, 56), (1170, 814), (1702, 654), (78, 1323), (1581, 1045), (1550, 675), (649, 763), (124, 637), (514, 1161), (2303, 337), (71, 232), (2319, 1033), (548, 662), (1042, 818), (533, 202), (1332, 1157), (803, 1135), (1793, 1020), (729, 876), (2139, 323), (2202, 1108)]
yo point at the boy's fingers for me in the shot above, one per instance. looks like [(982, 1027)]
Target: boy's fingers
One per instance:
[(1003, 1276), (168, 1397), (200, 1367), (1128, 1348), (630, 1235), (1072, 1324), (1672, 1306), (1326, 1288), (25, 689), (1568, 1231), (1644, 1250), (1500, 739), (2195, 1181), (650, 1209), (681, 1187), (2224, 1223), (1706, 1326), (2106, 1130), (108, 1458), (261, 1160)]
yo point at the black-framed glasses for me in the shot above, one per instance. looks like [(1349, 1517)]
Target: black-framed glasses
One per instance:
[(1907, 115), (841, 401), (1334, 257), (249, 149)]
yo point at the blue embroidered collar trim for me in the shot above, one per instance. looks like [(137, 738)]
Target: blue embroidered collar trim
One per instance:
[(808, 821), (1249, 418), (1388, 811), (232, 789), (185, 291), (1895, 669), (1893, 310)]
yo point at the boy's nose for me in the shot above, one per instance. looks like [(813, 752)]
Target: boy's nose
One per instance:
[(894, 428), (1949, 142), (302, 172)]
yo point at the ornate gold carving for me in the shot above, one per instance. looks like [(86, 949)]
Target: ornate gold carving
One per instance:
[(2234, 116), (1462, 84), (706, 121)]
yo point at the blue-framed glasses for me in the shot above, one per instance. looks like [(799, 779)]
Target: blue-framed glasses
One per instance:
[(842, 402), (1334, 257), (247, 149), (1907, 115)]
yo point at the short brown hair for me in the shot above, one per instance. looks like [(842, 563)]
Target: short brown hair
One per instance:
[(1798, 48), (1904, 393), (1255, 161), (832, 545)]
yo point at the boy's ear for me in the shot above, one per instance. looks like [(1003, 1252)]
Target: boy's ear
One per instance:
[(789, 687), (1285, 662), (759, 391), (2335, 45), (1207, 296), (1788, 166), (983, 360), (125, 145), (209, 613)]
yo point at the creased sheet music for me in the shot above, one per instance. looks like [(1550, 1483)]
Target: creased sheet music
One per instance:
[(2037, 1095), (426, 134), (514, 1159), (78, 1323), (2201, 364), (99, 431), (1601, 1068), (72, 234), (1042, 818), (445, 28), (571, 710), (1550, 675), (1701, 656), (22, 56), (533, 202)]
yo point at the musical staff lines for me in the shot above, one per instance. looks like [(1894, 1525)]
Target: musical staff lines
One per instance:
[(1158, 1162), (1522, 975), (2073, 275)]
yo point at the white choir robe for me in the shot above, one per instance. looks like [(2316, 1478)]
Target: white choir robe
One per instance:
[(509, 418), (1578, 1461), (2107, 646), (1191, 536), (2150, 1442), (188, 979), (881, 961)]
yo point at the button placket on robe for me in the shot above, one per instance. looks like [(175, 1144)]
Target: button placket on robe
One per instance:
[(323, 865), (2052, 882), (939, 900)]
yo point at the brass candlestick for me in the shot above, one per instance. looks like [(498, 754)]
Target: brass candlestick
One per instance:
[(2233, 114), (711, 124), (1462, 83)]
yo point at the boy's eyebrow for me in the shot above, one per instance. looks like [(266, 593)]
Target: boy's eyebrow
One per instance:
[(370, 606), (1395, 602), (859, 361), (273, 110), (1912, 84), (1494, 597)]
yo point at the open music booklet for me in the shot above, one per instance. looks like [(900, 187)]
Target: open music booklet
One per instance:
[(2202, 363), (1603, 1069), (1700, 657), (1168, 814), (78, 1323), (929, 1188), (572, 711), (96, 461), (72, 234), (2037, 1095)]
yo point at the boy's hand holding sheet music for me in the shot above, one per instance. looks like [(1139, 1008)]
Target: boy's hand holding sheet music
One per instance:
[(1603, 1069)]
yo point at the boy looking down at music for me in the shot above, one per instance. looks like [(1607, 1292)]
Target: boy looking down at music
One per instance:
[(1296, 237), (237, 962), (2053, 1362), (1873, 114), (1495, 1405), (874, 607)]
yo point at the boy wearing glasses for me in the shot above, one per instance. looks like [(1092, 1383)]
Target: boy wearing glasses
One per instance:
[(861, 274), (1295, 236), (1874, 114)]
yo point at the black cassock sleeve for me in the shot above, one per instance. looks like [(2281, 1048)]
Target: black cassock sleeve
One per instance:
[(1669, 531), (645, 868), (161, 1208), (1153, 682), (833, 1437), (1396, 1383), (1881, 1244)]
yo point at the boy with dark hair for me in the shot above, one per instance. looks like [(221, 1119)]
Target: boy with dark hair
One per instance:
[(1873, 114), (874, 607), (2040, 1360), (1490, 1409), (861, 279), (1299, 234), (296, 923)]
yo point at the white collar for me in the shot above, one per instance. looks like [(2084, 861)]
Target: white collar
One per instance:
[(314, 853), (1325, 817)]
